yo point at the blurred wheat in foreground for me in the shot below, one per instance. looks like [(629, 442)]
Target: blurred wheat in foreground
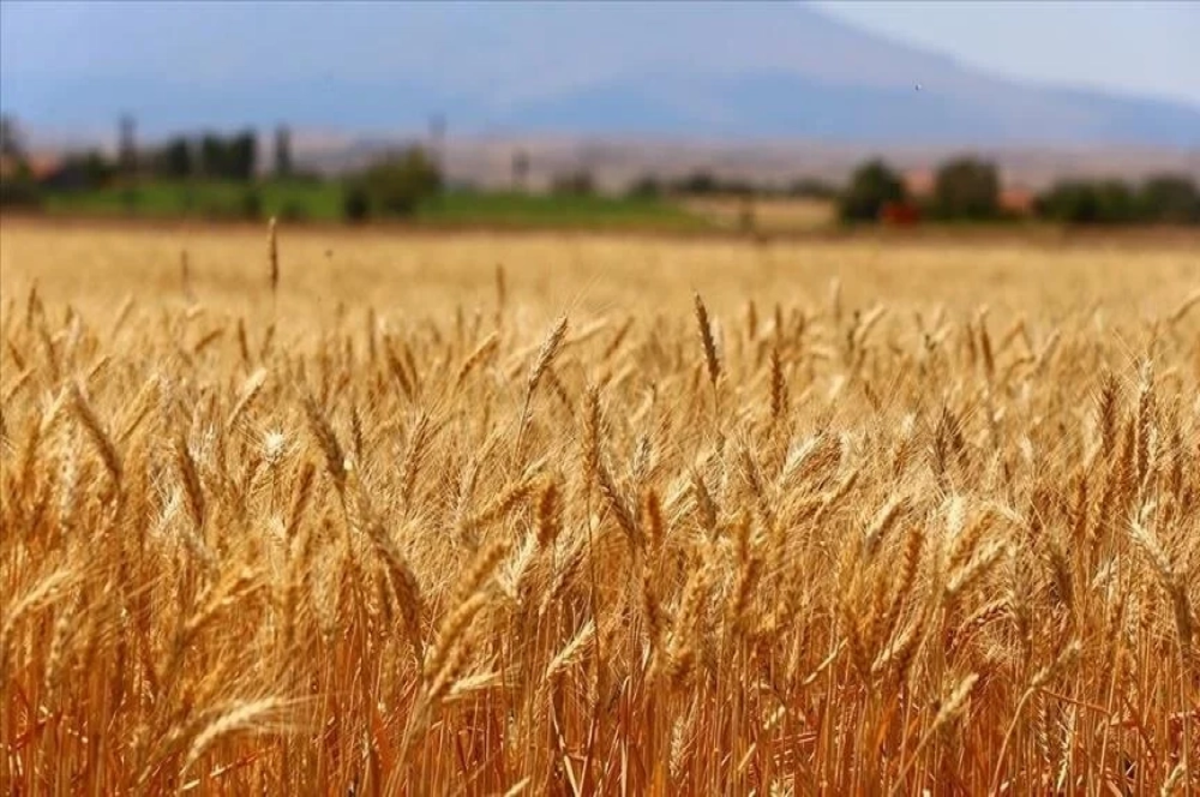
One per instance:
[(792, 549)]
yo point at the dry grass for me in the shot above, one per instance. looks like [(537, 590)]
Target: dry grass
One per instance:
[(377, 519), (771, 214)]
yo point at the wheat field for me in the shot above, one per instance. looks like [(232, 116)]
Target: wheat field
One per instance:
[(364, 513)]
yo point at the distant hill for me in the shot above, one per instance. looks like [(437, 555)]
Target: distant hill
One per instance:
[(617, 161), (781, 70)]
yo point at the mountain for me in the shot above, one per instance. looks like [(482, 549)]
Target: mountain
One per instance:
[(716, 70)]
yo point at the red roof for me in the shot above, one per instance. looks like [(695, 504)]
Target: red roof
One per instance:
[(40, 165), (1017, 199)]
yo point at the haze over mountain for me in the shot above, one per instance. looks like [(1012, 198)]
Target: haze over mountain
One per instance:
[(703, 71)]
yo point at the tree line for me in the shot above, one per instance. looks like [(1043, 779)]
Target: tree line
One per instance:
[(969, 189), (396, 183), (393, 184), (212, 155)]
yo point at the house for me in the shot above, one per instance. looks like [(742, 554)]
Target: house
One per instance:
[(919, 184), (1017, 200), (900, 214), (66, 175), (56, 172), (41, 165)]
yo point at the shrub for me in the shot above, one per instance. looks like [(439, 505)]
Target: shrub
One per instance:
[(1090, 202), (967, 188), (1117, 202), (872, 186), (19, 189), (646, 187), (1068, 201), (579, 183), (1170, 199), (398, 184), (356, 204), (699, 183)]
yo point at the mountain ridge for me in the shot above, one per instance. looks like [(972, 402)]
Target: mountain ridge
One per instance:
[(738, 72)]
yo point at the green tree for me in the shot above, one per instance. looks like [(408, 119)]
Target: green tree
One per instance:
[(1089, 202), (243, 156), (699, 183), (175, 160), (646, 187), (89, 170), (967, 188), (1116, 202), (872, 186), (12, 143), (1069, 202), (214, 156), (18, 188), (577, 183), (398, 184), (1170, 199), (356, 204)]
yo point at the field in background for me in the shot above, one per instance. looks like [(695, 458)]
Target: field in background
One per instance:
[(521, 513), (212, 199), (311, 201), (554, 212), (767, 215)]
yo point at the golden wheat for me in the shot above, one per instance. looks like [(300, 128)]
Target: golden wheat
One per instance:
[(402, 520)]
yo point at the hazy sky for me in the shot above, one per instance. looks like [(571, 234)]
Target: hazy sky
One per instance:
[(1150, 47), (1140, 47)]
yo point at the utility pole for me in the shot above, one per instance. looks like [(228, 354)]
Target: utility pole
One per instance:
[(520, 170), (283, 152), (11, 145), (437, 142), (127, 145)]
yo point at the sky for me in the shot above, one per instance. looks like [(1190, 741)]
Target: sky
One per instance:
[(701, 67), (1131, 47), (1150, 48)]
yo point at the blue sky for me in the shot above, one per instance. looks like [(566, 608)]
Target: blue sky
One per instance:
[(1150, 48), (1137, 47)]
